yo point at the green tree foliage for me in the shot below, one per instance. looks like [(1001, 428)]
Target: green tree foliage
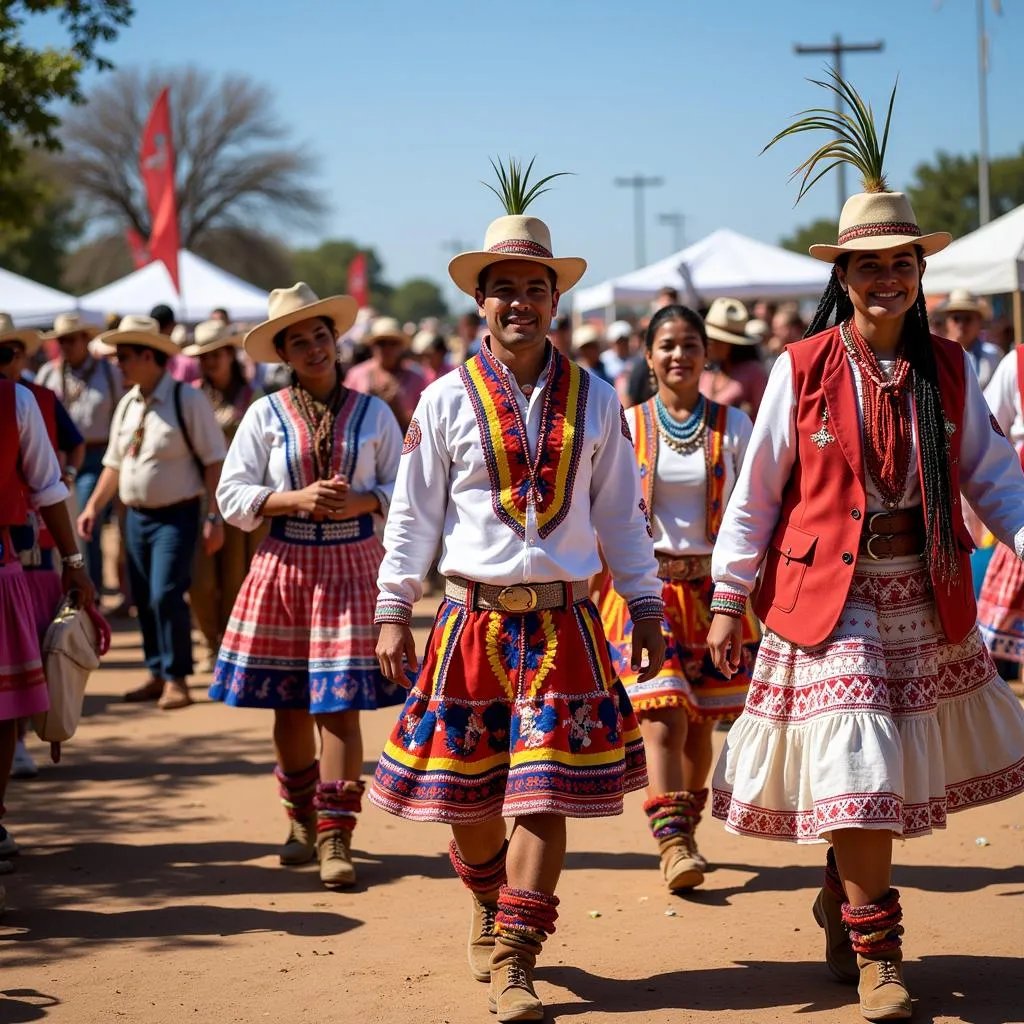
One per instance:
[(325, 269), (33, 80), (822, 230), (417, 298)]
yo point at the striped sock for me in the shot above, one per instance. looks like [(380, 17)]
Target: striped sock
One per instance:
[(337, 805)]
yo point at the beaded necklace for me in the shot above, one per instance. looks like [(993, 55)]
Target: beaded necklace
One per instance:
[(687, 436)]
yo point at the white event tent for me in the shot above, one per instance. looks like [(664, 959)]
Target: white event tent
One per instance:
[(33, 305), (204, 287), (724, 263), (989, 261)]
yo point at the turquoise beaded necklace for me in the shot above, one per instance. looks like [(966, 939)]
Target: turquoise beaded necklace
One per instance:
[(684, 437)]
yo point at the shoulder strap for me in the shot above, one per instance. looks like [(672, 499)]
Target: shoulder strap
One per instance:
[(714, 444), (646, 445), (184, 431)]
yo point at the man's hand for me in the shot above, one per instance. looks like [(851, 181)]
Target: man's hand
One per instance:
[(213, 537), (724, 642), (647, 636), (86, 522), (396, 645), (78, 579)]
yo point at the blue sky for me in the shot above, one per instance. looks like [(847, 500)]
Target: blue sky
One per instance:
[(402, 102)]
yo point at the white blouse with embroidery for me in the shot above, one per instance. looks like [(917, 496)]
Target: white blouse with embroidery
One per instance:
[(447, 492), (990, 479), (266, 454)]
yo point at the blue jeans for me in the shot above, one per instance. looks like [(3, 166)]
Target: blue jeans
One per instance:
[(161, 544), (85, 484)]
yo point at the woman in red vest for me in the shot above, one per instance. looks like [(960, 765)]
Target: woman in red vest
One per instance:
[(689, 450), (874, 708)]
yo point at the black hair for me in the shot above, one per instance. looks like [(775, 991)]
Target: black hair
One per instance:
[(238, 380), (282, 334), (941, 549), (163, 315), (222, 310), (481, 280), (667, 314), (160, 358)]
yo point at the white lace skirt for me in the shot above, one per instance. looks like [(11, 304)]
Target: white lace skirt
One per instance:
[(885, 725)]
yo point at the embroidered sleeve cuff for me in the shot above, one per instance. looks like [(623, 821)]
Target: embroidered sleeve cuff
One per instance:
[(257, 503), (392, 609), (646, 608), (729, 602)]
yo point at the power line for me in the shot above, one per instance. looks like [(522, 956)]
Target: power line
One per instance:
[(638, 183)]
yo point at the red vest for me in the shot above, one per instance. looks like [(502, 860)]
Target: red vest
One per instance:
[(13, 509), (812, 555), (47, 402)]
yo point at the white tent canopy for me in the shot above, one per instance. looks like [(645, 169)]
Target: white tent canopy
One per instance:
[(204, 287), (989, 261), (724, 263), (30, 304)]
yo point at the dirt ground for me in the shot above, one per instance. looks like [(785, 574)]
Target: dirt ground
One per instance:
[(149, 890)]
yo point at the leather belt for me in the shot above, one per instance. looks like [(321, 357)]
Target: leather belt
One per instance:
[(893, 534), (517, 599), (683, 567)]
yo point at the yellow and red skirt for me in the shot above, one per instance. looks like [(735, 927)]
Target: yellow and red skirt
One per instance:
[(688, 679), (512, 714)]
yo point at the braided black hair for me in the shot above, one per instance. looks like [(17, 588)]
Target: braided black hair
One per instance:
[(941, 550)]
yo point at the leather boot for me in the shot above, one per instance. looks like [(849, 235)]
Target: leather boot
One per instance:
[(300, 846), (175, 695), (481, 933), (151, 689), (335, 851), (883, 995), (512, 995), (839, 954), (679, 866)]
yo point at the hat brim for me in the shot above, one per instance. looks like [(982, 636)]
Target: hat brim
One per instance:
[(259, 342), (110, 340), (372, 339), (720, 334), (91, 329), (963, 307), (929, 244), (228, 341), (465, 268), (32, 340)]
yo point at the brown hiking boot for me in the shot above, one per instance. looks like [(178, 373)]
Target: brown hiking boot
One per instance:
[(335, 850), (175, 695), (481, 934), (512, 996), (883, 995), (680, 866), (839, 954), (300, 846)]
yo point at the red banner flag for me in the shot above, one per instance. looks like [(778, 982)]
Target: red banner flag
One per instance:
[(156, 164), (358, 285), (138, 248)]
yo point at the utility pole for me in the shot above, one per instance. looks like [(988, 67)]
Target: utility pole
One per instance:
[(677, 222), (984, 200), (638, 183), (835, 50)]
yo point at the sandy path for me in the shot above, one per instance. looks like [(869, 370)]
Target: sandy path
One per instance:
[(149, 891)]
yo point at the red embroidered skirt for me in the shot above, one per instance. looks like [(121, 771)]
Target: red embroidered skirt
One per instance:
[(512, 715), (884, 725), (688, 679), (1001, 606), (22, 685)]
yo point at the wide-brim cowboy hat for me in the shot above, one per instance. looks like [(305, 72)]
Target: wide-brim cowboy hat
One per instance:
[(875, 221), (727, 321), (515, 238), (137, 330), (287, 306), (29, 339), (211, 335), (386, 328), (962, 301), (71, 323)]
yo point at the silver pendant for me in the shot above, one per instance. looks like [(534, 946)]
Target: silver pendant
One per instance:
[(824, 436)]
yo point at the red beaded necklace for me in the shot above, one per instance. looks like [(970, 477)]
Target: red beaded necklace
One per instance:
[(887, 428)]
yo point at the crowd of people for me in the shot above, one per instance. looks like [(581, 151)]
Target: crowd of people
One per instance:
[(641, 529)]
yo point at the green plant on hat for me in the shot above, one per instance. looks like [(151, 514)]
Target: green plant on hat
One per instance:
[(516, 193), (855, 137)]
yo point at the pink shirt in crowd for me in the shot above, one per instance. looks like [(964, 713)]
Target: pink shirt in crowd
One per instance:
[(744, 386)]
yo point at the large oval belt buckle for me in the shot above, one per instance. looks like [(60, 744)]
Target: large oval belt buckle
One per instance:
[(517, 599)]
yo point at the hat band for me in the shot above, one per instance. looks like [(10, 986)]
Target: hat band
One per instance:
[(521, 247), (879, 228)]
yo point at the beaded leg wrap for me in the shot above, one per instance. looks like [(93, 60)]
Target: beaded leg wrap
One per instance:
[(483, 881), (297, 790), (525, 917), (338, 804), (875, 929), (673, 819)]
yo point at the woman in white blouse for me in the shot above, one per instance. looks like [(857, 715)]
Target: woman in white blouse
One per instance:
[(689, 450), (319, 461)]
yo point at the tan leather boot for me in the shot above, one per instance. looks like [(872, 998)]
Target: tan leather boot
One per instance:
[(680, 866), (335, 851), (481, 933), (300, 846), (512, 995), (883, 994), (175, 695), (839, 954)]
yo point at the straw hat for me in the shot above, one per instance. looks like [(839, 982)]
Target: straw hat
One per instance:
[(619, 330), (962, 301), (137, 330), (424, 341), (515, 237), (287, 306), (25, 336), (211, 335), (586, 334), (71, 323), (727, 320), (385, 328)]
